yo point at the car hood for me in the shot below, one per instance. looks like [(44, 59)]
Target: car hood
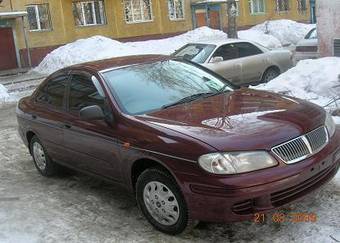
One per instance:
[(241, 120)]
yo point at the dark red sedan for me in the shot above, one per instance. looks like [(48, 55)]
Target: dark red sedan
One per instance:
[(189, 144)]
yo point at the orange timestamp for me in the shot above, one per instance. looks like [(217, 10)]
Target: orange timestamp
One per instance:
[(293, 217)]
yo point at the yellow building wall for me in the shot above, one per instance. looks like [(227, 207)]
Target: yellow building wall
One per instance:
[(73, 32), (55, 36), (64, 29), (248, 19), (5, 6)]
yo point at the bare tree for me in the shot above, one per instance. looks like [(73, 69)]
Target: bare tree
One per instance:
[(232, 14)]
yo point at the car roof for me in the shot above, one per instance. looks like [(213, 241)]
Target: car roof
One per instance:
[(220, 42), (118, 62)]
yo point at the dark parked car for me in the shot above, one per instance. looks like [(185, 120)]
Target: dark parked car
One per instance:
[(184, 140)]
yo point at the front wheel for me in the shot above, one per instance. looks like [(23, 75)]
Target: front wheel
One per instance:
[(161, 201)]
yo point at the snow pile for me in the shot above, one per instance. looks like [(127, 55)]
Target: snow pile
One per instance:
[(268, 41), (83, 50), (287, 31), (99, 47), (315, 80), (4, 96)]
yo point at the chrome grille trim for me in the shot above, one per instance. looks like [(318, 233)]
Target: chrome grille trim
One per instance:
[(302, 147)]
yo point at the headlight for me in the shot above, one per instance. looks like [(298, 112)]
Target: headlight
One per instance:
[(236, 162), (330, 125)]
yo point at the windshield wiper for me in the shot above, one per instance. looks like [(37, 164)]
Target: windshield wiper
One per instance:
[(188, 99), (220, 91)]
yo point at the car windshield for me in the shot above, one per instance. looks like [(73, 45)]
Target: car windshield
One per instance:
[(198, 53), (140, 89), (312, 34)]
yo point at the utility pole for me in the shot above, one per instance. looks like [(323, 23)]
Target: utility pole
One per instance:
[(232, 15)]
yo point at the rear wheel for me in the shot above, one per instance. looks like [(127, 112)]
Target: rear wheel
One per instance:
[(270, 74), (162, 202), (42, 161)]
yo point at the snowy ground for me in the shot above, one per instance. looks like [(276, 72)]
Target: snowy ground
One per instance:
[(77, 208)]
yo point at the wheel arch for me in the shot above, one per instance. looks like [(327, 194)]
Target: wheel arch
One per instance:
[(142, 164), (273, 66), (29, 136)]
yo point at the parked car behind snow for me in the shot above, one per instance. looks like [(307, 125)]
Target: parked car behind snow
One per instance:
[(241, 62), (307, 48)]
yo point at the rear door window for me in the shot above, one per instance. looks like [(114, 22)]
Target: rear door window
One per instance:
[(227, 52), (53, 92), (246, 49), (83, 92)]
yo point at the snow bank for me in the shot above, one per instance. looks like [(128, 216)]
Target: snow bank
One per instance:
[(287, 31), (99, 47), (4, 96), (268, 41), (315, 80)]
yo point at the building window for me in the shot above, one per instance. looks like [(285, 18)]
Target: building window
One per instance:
[(237, 8), (39, 17), (302, 6), (282, 5), (256, 6), (87, 13), (137, 11), (176, 9)]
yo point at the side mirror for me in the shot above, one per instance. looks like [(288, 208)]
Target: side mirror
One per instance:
[(91, 113), (216, 59)]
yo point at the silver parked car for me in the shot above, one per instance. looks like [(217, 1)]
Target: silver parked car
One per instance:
[(241, 62), (307, 48)]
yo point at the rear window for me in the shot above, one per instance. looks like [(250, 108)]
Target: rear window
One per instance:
[(198, 53), (312, 34), (52, 93)]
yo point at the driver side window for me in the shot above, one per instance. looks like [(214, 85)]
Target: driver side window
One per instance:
[(227, 52), (84, 93)]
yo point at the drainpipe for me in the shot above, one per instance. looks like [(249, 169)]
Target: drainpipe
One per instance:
[(10, 3), (26, 42), (207, 17)]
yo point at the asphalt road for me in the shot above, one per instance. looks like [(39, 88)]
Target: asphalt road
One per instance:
[(77, 208)]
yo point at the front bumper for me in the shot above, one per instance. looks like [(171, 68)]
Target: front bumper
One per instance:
[(235, 198)]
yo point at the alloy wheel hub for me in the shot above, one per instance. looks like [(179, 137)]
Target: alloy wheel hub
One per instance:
[(39, 156), (161, 203)]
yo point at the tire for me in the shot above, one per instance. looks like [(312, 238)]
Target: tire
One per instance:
[(270, 74), (161, 201), (42, 161)]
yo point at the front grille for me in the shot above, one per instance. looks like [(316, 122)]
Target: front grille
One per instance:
[(302, 147)]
